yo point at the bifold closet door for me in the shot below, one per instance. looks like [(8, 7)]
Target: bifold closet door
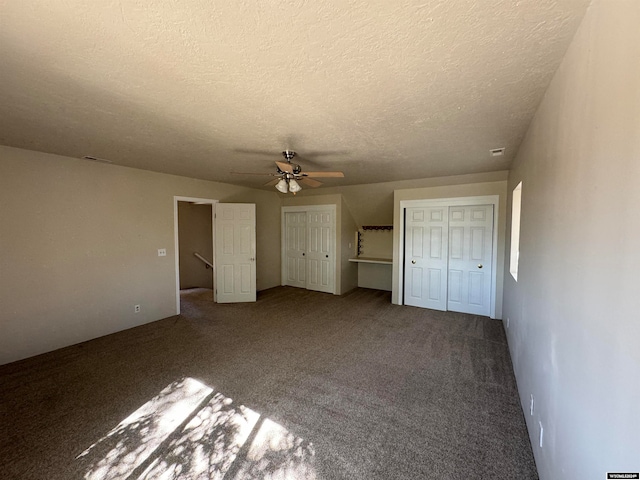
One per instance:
[(470, 259), (425, 257), (448, 258), (309, 250), (320, 255), (295, 249)]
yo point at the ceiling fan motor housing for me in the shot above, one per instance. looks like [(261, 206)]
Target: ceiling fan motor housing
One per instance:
[(288, 155), (290, 173)]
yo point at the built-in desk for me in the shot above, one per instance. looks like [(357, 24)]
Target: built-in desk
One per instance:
[(374, 272), (382, 261)]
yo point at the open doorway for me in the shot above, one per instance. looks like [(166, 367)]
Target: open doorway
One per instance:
[(193, 227)]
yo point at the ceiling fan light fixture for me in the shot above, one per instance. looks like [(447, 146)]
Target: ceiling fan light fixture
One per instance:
[(289, 174), (294, 187), (282, 186)]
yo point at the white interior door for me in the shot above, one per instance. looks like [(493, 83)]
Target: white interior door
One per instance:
[(235, 252), (295, 249), (320, 253), (470, 259), (425, 260)]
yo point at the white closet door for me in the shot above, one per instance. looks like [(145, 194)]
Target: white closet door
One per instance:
[(235, 252), (470, 259), (295, 249), (320, 252), (425, 263)]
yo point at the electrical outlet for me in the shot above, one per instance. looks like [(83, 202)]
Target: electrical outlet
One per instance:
[(136, 308), (162, 252), (541, 433), (531, 405)]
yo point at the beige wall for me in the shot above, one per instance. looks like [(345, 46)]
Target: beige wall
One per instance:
[(376, 243), (372, 204), (195, 235), (79, 243), (453, 191), (348, 229), (375, 275), (574, 312)]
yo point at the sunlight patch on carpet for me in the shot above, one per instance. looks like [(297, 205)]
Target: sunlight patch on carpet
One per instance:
[(190, 432), (277, 454)]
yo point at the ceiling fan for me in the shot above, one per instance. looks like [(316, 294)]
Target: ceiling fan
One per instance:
[(288, 175)]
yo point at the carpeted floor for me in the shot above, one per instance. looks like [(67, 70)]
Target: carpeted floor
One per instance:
[(299, 385)]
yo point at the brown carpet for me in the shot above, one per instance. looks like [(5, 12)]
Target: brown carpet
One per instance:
[(299, 385)]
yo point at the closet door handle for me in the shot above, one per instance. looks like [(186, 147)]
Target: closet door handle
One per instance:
[(327, 256), (479, 265), (303, 254), (413, 261)]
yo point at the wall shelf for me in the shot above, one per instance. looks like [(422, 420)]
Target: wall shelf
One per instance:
[(377, 227)]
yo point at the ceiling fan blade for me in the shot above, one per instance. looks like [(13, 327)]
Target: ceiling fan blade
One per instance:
[(272, 182), (285, 167), (250, 173), (310, 182), (323, 174)]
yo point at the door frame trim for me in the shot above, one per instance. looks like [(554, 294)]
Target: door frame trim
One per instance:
[(450, 202), (176, 245), (334, 239)]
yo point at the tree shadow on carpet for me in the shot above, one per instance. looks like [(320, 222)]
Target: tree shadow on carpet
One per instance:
[(190, 432)]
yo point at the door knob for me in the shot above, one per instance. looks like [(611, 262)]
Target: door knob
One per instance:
[(303, 254), (479, 265), (327, 256), (413, 261)]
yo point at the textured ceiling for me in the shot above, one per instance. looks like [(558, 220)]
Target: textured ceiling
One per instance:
[(382, 90)]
